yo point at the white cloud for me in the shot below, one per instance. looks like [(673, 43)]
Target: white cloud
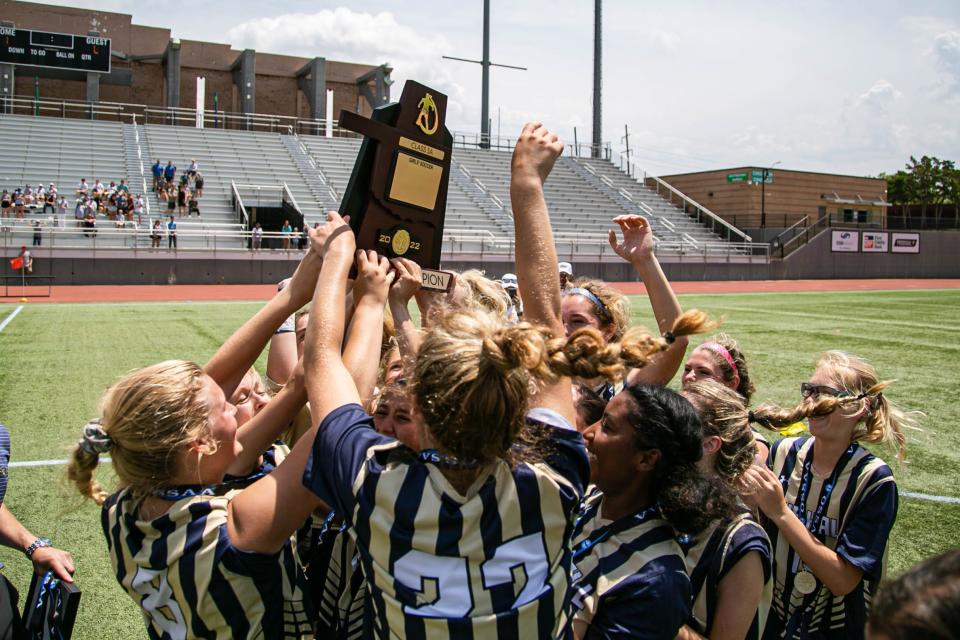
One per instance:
[(878, 98), (344, 34), (946, 55)]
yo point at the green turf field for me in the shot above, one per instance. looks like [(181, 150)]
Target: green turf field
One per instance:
[(55, 360)]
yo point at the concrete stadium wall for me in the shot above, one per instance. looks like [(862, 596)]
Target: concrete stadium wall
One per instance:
[(938, 258)]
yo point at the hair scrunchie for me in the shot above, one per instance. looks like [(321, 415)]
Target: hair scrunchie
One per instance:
[(669, 337), (95, 439)]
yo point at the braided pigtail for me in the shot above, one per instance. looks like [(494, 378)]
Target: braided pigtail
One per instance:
[(585, 353)]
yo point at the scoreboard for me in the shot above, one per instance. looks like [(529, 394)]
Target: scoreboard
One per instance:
[(54, 50)]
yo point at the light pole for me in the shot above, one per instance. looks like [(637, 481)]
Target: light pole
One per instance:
[(485, 88), (763, 194)]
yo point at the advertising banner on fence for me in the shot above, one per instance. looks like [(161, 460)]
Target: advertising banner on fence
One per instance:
[(845, 241), (874, 241), (905, 243)]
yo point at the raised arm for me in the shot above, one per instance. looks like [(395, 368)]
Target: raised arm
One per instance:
[(637, 248), (232, 360), (406, 285), (263, 515), (533, 157), (361, 355)]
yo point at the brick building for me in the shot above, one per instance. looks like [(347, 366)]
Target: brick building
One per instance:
[(151, 67), (741, 197)]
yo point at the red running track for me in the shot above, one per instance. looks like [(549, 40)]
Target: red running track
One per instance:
[(180, 293)]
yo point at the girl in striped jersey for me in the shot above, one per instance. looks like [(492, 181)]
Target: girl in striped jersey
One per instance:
[(729, 562), (720, 359), (470, 537), (829, 504), (197, 563), (629, 579)]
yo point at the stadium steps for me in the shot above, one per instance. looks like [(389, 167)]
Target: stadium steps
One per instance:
[(40, 149), (629, 189), (313, 177), (139, 178), (223, 156), (497, 217)]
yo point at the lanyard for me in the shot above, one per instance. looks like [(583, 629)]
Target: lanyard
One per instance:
[(602, 534), (807, 481)]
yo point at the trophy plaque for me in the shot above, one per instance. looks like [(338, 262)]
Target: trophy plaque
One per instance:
[(397, 194)]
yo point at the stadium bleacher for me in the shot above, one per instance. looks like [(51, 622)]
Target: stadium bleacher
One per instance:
[(582, 193)]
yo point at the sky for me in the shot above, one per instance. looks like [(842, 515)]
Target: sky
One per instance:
[(841, 87)]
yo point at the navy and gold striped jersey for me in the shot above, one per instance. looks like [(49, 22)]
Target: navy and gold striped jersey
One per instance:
[(711, 554), (273, 456), (490, 562), (628, 575), (857, 506), (191, 582), (338, 584)]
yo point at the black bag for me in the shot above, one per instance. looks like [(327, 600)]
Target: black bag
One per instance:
[(51, 608), (11, 625)]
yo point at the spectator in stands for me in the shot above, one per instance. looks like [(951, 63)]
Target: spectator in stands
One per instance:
[(169, 172), (62, 213), (83, 188), (198, 185), (192, 169), (565, 271), (6, 201), (120, 201), (27, 195), (90, 223), (80, 212), (287, 231), (193, 207), (157, 169), (19, 207), (98, 186), (123, 186), (156, 232), (53, 189), (41, 552), (182, 191), (138, 207), (172, 233), (171, 200), (256, 237), (37, 233), (50, 203)]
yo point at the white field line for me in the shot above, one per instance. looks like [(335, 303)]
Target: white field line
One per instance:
[(10, 317), (55, 463)]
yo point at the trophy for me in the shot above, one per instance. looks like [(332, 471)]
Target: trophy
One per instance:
[(397, 194)]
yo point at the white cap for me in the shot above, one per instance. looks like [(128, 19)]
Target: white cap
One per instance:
[(565, 267), (509, 281)]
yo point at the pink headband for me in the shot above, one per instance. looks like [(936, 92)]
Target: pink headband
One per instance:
[(721, 351)]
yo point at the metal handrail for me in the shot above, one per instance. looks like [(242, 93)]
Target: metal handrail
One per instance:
[(293, 201), (710, 214), (143, 179), (806, 234), (801, 221), (233, 237), (238, 205)]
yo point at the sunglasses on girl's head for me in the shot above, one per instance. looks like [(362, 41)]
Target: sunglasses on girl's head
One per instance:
[(808, 390)]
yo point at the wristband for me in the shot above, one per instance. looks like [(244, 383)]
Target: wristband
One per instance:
[(37, 544)]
